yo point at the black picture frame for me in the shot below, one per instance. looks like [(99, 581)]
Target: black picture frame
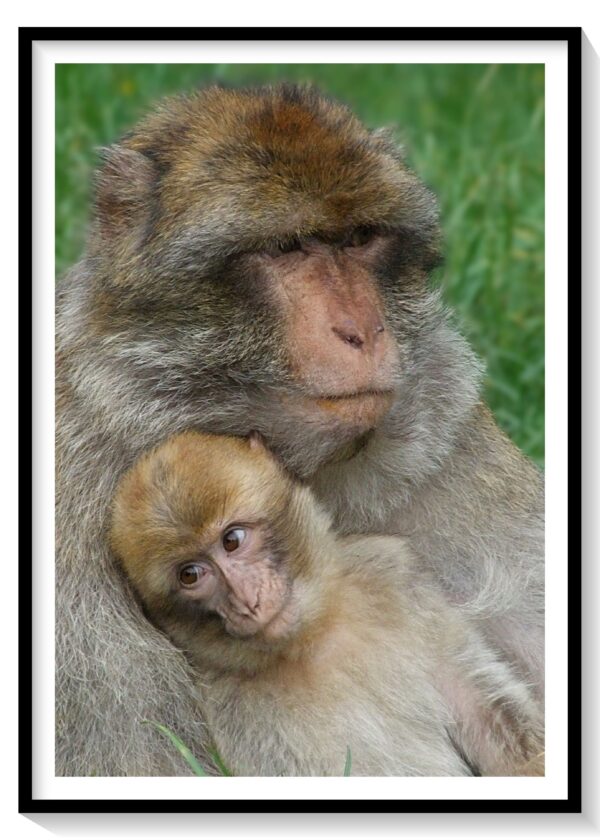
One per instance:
[(27, 803)]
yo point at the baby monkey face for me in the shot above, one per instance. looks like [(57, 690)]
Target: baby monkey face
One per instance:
[(197, 526), (237, 577)]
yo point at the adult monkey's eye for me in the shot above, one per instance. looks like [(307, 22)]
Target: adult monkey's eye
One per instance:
[(280, 247), (290, 245), (233, 539), (360, 236), (189, 575)]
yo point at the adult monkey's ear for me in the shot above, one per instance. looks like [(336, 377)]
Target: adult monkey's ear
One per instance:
[(123, 199)]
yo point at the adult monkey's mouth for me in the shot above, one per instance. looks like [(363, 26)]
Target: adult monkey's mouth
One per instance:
[(350, 395), (363, 409), (347, 416)]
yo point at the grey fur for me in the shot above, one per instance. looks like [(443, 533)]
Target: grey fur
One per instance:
[(394, 697), (145, 348)]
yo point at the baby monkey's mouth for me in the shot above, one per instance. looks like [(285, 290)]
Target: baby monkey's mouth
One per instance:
[(269, 621)]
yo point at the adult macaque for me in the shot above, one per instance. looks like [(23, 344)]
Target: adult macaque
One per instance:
[(259, 260), (303, 642)]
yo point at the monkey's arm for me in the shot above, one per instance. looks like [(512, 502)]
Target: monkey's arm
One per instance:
[(497, 723), (475, 521), (494, 720), (486, 546)]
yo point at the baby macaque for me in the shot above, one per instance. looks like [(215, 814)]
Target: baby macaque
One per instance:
[(306, 643)]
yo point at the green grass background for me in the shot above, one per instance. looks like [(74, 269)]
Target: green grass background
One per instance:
[(475, 133)]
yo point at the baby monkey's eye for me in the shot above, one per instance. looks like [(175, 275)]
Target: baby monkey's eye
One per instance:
[(189, 575), (233, 539)]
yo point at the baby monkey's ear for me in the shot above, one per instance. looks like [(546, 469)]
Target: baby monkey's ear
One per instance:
[(258, 444), (256, 440)]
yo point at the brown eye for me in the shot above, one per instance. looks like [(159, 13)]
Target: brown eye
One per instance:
[(360, 236), (191, 574), (289, 245), (281, 247), (233, 539)]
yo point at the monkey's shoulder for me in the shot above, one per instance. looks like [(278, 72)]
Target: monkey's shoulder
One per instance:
[(388, 573), (385, 555)]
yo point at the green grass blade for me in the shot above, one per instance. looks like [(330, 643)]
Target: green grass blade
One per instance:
[(348, 765), (223, 769), (179, 745)]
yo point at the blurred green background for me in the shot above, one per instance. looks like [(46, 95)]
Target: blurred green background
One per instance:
[(475, 134)]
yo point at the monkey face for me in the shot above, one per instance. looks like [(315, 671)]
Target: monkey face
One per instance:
[(264, 254), (238, 578), (339, 349), (204, 528)]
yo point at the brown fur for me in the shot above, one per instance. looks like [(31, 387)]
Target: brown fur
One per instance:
[(268, 149), (370, 638), (171, 321)]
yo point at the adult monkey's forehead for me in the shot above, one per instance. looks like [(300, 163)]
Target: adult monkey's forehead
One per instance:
[(278, 161)]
